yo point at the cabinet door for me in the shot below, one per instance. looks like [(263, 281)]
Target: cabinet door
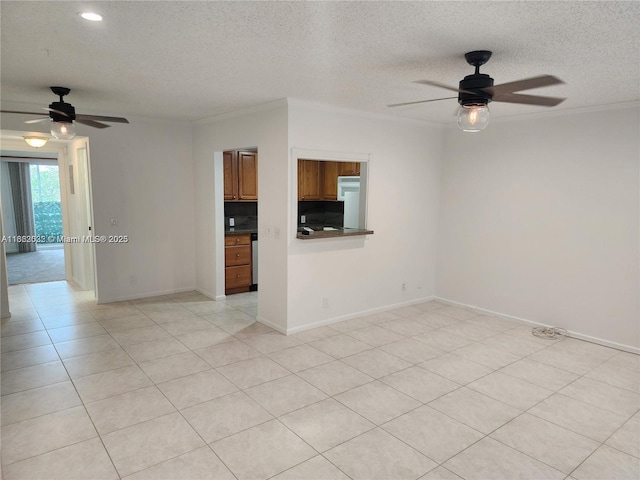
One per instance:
[(234, 256), (237, 276), (230, 177), (308, 180), (349, 169), (247, 176), (330, 182)]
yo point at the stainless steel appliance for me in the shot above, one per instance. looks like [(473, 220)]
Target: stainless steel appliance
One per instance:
[(254, 261)]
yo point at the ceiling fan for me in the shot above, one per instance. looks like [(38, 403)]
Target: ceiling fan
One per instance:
[(63, 115), (477, 90)]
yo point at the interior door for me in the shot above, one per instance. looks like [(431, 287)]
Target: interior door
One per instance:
[(86, 277)]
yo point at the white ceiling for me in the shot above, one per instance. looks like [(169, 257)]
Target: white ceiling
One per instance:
[(191, 60)]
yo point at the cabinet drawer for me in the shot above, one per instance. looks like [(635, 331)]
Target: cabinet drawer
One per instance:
[(237, 255), (237, 276), (231, 240)]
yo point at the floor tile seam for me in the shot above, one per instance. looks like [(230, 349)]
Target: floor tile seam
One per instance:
[(257, 384), (22, 333), (567, 427), (32, 365), (125, 393), (459, 386), (226, 364), (483, 436), (513, 406), (580, 377), (538, 459), (368, 419), (205, 401), (637, 391), (31, 346), (51, 451), (43, 414), (617, 430)]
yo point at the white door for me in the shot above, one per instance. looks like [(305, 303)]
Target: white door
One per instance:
[(83, 190)]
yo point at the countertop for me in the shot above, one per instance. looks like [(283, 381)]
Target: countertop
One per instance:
[(240, 230), (344, 232)]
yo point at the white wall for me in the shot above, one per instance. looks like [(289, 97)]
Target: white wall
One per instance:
[(142, 175), (540, 220), (264, 127), (365, 273)]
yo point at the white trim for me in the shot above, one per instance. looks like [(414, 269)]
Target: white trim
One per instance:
[(571, 333), (329, 321), (138, 296), (323, 107), (282, 102), (269, 323)]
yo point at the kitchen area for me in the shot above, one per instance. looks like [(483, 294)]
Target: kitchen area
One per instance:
[(241, 220), (331, 199)]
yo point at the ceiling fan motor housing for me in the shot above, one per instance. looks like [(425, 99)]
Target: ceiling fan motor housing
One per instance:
[(471, 89), (62, 112)]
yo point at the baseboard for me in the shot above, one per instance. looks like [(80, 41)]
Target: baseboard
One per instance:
[(269, 323), (213, 296), (524, 321), (341, 318), (124, 298)]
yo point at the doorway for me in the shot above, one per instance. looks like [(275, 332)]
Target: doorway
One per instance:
[(73, 170), (32, 212)]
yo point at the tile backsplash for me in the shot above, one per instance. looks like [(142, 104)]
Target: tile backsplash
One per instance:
[(244, 214), (321, 213)]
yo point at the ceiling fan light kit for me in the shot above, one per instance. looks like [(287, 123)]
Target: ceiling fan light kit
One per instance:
[(476, 91), (36, 141)]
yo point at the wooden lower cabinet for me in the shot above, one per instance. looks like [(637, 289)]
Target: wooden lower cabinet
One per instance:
[(237, 265)]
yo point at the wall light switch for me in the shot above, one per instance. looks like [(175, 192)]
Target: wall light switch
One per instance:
[(114, 222)]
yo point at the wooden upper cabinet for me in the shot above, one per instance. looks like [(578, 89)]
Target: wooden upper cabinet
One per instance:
[(248, 176), (240, 176), (330, 181), (308, 180), (230, 177), (349, 169)]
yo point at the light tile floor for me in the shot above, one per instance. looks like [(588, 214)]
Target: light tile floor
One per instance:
[(181, 387)]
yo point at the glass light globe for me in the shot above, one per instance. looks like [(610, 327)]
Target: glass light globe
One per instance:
[(63, 130), (473, 118)]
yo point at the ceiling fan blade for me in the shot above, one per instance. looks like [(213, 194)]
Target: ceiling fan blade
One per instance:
[(101, 118), (438, 84), (419, 101), (22, 113), (37, 120), (92, 123), (525, 84), (59, 112), (528, 99)]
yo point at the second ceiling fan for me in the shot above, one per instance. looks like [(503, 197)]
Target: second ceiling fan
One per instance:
[(476, 91)]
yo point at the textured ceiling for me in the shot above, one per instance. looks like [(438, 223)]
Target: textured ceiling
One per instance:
[(191, 60)]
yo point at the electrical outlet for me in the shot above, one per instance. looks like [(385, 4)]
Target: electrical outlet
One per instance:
[(303, 219), (114, 222), (232, 222), (133, 280), (276, 232), (404, 287), (325, 302)]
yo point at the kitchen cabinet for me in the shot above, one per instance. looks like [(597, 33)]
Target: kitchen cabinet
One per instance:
[(240, 176), (237, 263), (309, 180), (330, 180), (347, 169)]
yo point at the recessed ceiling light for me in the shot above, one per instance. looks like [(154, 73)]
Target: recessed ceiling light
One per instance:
[(91, 16)]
